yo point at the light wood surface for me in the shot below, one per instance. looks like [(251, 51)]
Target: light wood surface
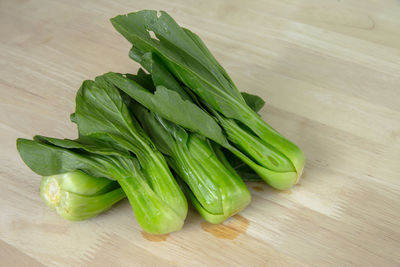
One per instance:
[(330, 73)]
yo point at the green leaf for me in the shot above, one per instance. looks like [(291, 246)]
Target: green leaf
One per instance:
[(89, 144), (101, 111), (46, 159), (253, 101), (170, 105), (160, 74), (143, 79), (72, 117)]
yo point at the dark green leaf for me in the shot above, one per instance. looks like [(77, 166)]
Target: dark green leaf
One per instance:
[(101, 112), (253, 101), (159, 73), (46, 159), (143, 79), (90, 144), (169, 105)]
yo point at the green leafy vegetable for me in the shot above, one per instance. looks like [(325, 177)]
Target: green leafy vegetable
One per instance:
[(186, 113), (188, 59), (78, 196), (192, 119), (197, 120), (50, 156), (108, 137), (162, 77), (101, 111), (218, 190)]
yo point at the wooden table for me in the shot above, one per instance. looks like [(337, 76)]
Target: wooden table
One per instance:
[(330, 73)]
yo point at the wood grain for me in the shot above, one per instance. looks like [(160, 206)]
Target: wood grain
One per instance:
[(330, 73)]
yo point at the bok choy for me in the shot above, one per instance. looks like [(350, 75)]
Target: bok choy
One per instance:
[(78, 196), (113, 145), (277, 160), (215, 189), (185, 113)]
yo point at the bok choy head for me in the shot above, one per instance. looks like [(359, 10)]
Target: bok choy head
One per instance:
[(214, 187), (50, 156), (78, 196), (273, 157), (113, 145)]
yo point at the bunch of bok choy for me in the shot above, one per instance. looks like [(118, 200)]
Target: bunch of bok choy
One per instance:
[(178, 126)]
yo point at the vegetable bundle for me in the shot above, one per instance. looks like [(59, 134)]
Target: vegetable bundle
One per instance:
[(184, 115)]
